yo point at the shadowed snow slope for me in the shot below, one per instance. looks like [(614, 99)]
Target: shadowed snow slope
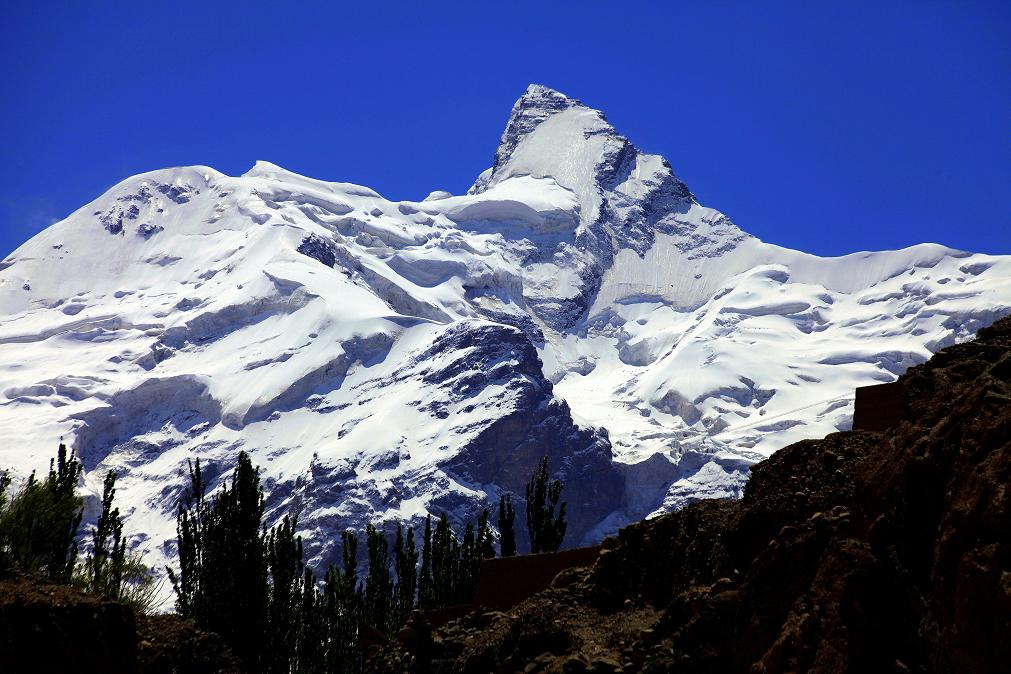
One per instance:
[(381, 360)]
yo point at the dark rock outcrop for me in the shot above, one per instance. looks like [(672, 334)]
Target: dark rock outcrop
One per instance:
[(319, 249), (52, 628), (170, 644), (865, 551), (48, 628), (507, 451)]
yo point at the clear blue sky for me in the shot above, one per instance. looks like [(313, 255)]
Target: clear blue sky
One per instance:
[(829, 127)]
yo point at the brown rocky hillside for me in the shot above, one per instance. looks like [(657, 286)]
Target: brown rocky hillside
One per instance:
[(864, 552)]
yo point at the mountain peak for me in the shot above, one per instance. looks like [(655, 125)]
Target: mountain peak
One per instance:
[(539, 92), (640, 336), (537, 104)]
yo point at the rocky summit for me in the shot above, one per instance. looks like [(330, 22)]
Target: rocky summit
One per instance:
[(382, 359)]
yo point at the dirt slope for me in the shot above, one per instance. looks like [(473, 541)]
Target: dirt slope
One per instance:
[(46, 628)]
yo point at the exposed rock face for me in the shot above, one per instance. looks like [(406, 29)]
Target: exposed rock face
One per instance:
[(503, 452), (533, 107), (864, 551)]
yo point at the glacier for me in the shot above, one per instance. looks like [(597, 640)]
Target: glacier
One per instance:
[(380, 360)]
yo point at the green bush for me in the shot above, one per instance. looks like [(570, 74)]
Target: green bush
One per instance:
[(545, 528), (39, 522)]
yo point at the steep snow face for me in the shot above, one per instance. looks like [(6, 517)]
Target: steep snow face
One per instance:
[(363, 351), (381, 360), (623, 200)]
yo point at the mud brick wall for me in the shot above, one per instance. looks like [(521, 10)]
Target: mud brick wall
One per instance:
[(880, 407), (506, 581)]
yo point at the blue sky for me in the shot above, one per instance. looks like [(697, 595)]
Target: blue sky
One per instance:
[(828, 127)]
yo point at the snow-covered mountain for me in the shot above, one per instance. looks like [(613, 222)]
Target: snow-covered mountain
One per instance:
[(383, 359)]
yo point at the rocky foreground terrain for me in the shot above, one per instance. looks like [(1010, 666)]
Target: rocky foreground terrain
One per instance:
[(861, 552)]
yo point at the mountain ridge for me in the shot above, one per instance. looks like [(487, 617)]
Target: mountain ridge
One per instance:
[(390, 358)]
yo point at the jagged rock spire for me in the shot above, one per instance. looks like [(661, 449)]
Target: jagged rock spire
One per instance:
[(535, 105)]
